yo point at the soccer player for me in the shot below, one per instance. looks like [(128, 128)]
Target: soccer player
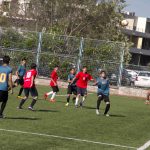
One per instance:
[(72, 88), (5, 82), (103, 92), (53, 84), (147, 102), (20, 73), (82, 81), (29, 87)]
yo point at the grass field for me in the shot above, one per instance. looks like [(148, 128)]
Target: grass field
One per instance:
[(129, 125)]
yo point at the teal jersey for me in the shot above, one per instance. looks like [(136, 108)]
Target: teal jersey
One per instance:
[(21, 70), (4, 77), (103, 86), (71, 77)]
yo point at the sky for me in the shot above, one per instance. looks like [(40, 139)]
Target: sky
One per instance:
[(140, 7)]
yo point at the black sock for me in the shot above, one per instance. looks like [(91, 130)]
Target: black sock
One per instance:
[(68, 99), (107, 108), (22, 102), (98, 102), (33, 103), (3, 105), (20, 92)]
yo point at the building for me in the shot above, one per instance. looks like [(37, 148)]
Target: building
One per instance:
[(138, 31)]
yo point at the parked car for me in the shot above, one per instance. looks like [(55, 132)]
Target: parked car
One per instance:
[(143, 79)]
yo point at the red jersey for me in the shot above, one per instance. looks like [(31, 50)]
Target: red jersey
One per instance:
[(82, 79), (54, 77), (28, 78)]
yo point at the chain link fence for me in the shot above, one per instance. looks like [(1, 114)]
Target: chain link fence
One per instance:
[(48, 50)]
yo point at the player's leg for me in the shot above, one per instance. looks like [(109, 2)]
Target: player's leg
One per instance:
[(55, 90), (26, 93), (100, 98), (84, 96), (79, 93), (3, 100), (74, 91), (34, 94), (107, 101), (69, 92), (21, 82), (147, 98), (47, 94)]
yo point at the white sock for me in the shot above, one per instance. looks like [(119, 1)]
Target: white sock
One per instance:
[(83, 99), (49, 93), (53, 96), (77, 99)]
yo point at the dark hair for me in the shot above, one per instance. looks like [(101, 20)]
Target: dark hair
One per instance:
[(33, 66), (56, 66), (84, 67), (6, 59), (103, 71), (24, 59), (72, 69)]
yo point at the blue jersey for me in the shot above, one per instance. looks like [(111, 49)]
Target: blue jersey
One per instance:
[(103, 86), (4, 77), (21, 70), (71, 77)]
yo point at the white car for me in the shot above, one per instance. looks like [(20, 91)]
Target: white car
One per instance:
[(143, 79), (133, 73)]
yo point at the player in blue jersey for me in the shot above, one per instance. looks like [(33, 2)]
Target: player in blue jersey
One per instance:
[(5, 82), (72, 88), (103, 92), (20, 73)]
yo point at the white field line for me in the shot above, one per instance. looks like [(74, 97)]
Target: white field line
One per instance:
[(67, 138), (145, 146)]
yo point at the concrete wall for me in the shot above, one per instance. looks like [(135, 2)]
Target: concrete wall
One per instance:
[(123, 91)]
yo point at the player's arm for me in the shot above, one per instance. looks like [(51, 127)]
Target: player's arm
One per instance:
[(32, 81), (17, 72), (10, 83), (75, 78)]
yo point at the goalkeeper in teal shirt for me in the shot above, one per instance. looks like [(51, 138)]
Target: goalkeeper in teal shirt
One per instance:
[(103, 92)]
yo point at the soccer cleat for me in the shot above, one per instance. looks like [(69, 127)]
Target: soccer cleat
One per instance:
[(97, 112), (52, 100), (147, 102), (45, 96), (20, 97), (19, 108), (30, 108), (2, 117), (67, 104), (107, 115)]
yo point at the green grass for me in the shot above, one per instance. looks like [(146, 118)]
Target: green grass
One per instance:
[(129, 124)]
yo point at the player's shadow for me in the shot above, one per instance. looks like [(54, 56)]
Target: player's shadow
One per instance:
[(89, 107), (47, 110), (117, 116), (22, 118)]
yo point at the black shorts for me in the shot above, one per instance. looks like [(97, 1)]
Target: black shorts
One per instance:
[(81, 91), (3, 96), (72, 90), (19, 81), (103, 97), (33, 91), (55, 89)]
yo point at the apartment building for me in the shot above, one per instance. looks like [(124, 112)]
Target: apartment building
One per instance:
[(138, 31)]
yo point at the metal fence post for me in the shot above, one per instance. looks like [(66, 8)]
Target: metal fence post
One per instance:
[(39, 49), (121, 64), (80, 54)]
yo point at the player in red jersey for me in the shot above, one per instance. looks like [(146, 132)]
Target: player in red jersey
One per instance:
[(82, 82), (29, 87), (53, 85)]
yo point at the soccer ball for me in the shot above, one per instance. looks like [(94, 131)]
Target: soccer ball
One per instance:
[(124, 23)]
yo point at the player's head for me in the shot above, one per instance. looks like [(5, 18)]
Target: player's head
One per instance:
[(84, 69), (23, 61), (56, 68), (33, 66), (103, 74), (6, 60), (72, 70)]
